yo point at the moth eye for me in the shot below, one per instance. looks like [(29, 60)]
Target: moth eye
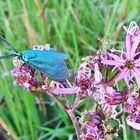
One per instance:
[(25, 58)]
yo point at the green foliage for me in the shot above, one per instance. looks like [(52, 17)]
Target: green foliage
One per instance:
[(75, 27)]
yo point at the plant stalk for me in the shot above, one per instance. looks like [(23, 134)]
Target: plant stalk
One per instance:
[(75, 123), (71, 114)]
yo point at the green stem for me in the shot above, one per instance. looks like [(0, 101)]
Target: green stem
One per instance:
[(124, 128), (123, 121), (108, 83)]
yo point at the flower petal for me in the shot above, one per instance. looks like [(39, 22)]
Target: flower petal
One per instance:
[(136, 74), (137, 62), (97, 75), (128, 44), (133, 124), (117, 58), (14, 72), (136, 54), (122, 75), (126, 78), (135, 45), (71, 90), (137, 71), (112, 63)]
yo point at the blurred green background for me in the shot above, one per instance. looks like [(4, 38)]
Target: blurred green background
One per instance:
[(76, 27)]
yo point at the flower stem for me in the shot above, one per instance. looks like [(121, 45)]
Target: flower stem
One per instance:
[(123, 120), (58, 101), (124, 128), (112, 78), (75, 123), (68, 100), (71, 114)]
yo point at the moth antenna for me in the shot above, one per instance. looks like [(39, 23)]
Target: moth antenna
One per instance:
[(8, 56), (8, 43)]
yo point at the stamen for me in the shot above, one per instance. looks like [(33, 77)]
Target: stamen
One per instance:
[(129, 64)]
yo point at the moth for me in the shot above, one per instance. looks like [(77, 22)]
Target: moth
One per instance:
[(49, 62)]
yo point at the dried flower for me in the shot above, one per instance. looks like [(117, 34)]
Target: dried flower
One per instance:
[(88, 75)]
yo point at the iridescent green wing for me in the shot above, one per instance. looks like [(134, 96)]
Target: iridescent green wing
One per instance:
[(55, 69), (49, 62), (42, 55)]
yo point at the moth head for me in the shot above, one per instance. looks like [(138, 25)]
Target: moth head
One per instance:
[(27, 55), (24, 58)]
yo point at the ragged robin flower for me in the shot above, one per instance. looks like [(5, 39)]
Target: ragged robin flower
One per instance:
[(128, 63)]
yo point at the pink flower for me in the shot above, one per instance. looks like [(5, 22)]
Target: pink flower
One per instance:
[(113, 97), (128, 62), (100, 124), (86, 84), (132, 107), (92, 122), (107, 95)]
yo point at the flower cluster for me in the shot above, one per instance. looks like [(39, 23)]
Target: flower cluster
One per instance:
[(98, 80), (101, 124), (132, 107), (113, 66), (88, 75)]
